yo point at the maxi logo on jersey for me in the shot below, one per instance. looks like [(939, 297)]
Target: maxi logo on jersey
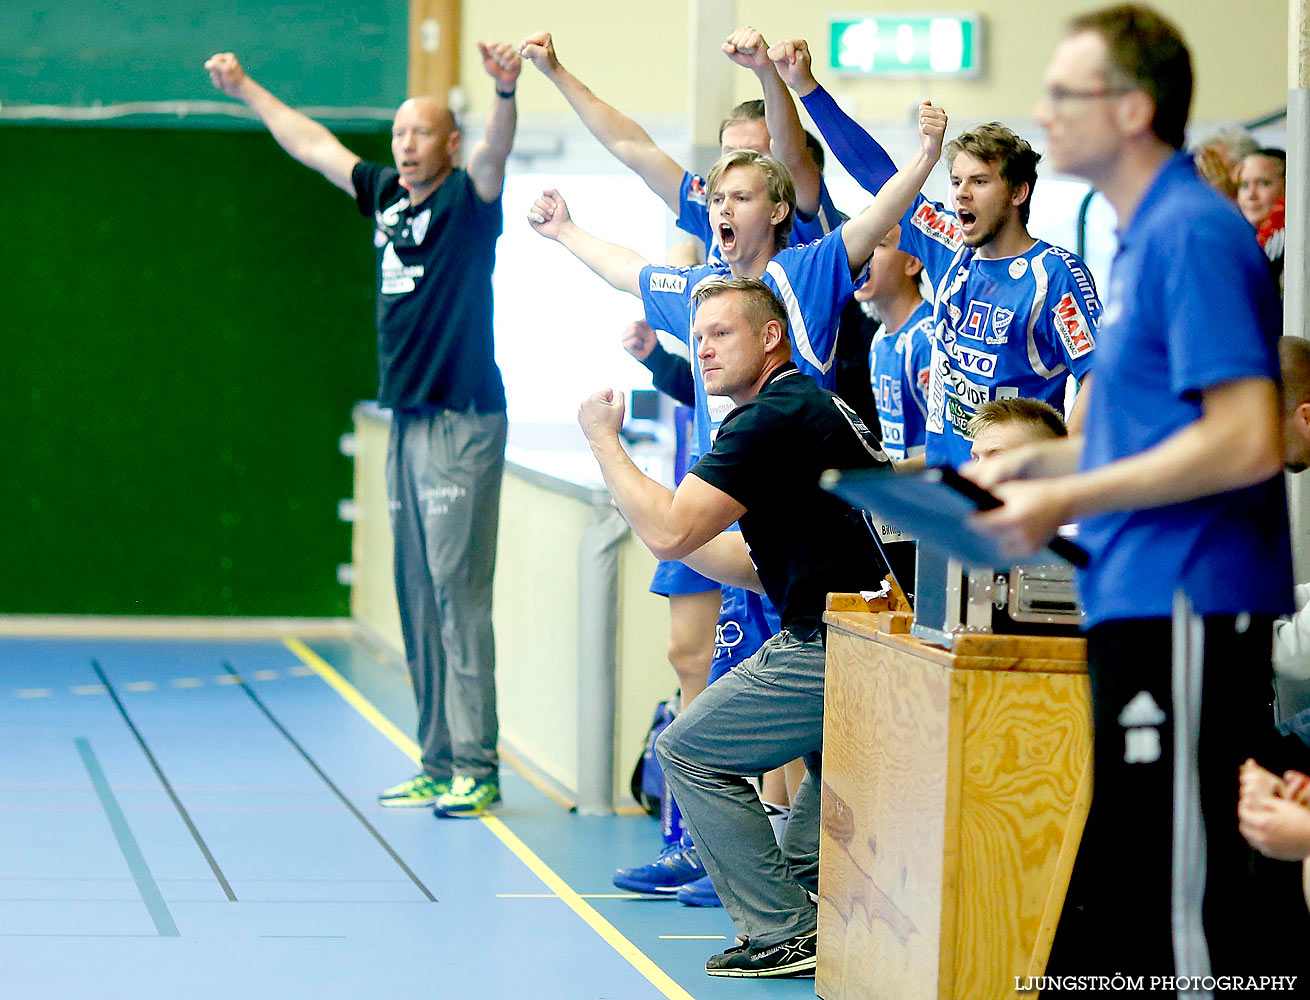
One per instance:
[(938, 226), (1072, 326)]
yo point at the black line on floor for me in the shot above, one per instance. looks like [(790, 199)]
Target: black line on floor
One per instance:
[(159, 773), (328, 781)]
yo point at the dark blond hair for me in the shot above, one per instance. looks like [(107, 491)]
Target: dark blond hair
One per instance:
[(746, 111), (761, 302), (777, 181), (1021, 410), (1147, 53), (994, 143)]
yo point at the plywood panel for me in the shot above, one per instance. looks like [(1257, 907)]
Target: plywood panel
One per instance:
[(1026, 744), (885, 755)]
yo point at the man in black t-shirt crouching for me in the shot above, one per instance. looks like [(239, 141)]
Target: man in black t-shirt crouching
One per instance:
[(796, 544), (435, 227)]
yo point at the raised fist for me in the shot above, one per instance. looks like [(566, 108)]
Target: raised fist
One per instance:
[(539, 49), (549, 215), (932, 129), (747, 47), (639, 339), (501, 62), (791, 58), (225, 73)]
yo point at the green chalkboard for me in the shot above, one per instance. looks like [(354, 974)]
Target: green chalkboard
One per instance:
[(83, 52), (187, 320)]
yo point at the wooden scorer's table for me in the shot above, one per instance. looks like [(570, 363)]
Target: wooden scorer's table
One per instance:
[(955, 787)]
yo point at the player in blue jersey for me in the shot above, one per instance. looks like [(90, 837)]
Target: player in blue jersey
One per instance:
[(1176, 489), (770, 127), (1013, 315), (752, 201), (901, 352)]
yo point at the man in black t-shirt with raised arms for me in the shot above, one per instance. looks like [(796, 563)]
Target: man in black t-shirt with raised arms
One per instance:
[(796, 544), (435, 232)]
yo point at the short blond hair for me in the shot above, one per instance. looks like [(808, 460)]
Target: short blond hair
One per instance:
[(777, 182), (761, 302), (1033, 412)]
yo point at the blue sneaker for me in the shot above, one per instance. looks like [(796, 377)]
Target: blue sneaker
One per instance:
[(699, 893), (677, 865)]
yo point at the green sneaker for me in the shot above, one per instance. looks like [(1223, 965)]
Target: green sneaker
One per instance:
[(419, 790), (467, 796)]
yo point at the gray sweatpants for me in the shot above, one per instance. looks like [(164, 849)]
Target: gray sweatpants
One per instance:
[(443, 480), (766, 712)]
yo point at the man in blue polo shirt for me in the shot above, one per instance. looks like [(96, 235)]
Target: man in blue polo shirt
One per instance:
[(1176, 490), (1013, 315), (769, 126)]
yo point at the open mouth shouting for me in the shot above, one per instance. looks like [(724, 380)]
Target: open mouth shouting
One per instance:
[(968, 221), (727, 237)]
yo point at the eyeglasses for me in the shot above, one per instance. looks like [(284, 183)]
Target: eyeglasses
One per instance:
[(1058, 95)]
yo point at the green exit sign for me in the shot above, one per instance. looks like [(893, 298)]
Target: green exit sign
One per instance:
[(922, 45)]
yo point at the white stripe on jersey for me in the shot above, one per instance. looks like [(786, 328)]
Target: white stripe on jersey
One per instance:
[(800, 335), (1041, 284)]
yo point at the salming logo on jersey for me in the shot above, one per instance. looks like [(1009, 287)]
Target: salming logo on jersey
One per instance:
[(664, 282), (940, 227)]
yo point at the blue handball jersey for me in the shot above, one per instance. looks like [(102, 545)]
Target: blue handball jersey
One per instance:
[(814, 283), (1002, 328), (694, 217), (899, 365)]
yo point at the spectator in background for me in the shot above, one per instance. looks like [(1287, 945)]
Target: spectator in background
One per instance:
[(1004, 424), (1261, 194), (1292, 635), (1218, 155)]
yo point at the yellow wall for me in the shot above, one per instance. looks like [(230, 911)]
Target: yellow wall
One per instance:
[(634, 55)]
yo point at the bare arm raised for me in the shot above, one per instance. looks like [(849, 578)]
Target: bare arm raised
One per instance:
[(747, 47), (863, 233), (487, 160), (618, 265), (625, 139), (302, 137)]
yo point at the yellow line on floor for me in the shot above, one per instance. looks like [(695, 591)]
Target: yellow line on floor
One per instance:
[(653, 974), (581, 895)]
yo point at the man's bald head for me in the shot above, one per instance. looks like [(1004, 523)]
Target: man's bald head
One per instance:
[(425, 144), (431, 111)]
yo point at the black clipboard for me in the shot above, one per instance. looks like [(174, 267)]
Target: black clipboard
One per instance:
[(935, 505)]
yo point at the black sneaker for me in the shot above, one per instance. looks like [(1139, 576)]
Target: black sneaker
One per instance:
[(793, 957)]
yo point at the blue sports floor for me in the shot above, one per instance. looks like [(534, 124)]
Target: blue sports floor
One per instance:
[(197, 819)]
